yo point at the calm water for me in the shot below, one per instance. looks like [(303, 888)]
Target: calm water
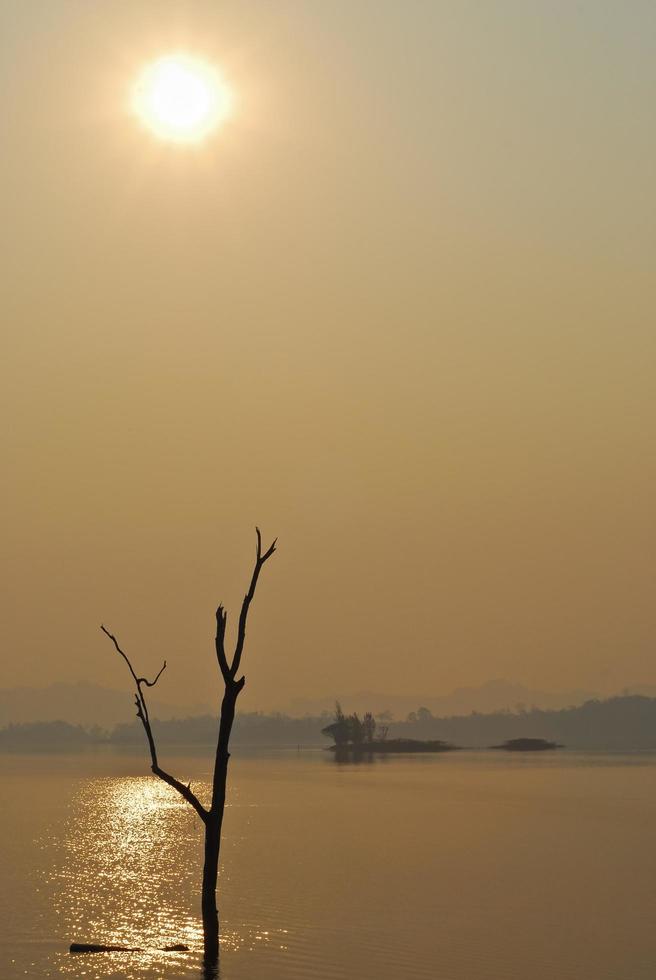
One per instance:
[(463, 866)]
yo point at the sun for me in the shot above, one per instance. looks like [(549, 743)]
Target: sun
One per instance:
[(181, 98)]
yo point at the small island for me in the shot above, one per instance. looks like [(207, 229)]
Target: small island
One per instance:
[(391, 745), (355, 737), (527, 745)]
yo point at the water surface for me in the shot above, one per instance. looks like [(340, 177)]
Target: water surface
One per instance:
[(464, 866)]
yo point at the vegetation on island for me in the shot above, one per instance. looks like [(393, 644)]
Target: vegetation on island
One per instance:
[(355, 735)]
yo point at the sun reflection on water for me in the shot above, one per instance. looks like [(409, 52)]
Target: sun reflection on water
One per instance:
[(129, 876), (132, 855)]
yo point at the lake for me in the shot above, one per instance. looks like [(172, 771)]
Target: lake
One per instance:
[(462, 866)]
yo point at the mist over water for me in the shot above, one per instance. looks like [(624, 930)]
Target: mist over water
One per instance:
[(466, 867)]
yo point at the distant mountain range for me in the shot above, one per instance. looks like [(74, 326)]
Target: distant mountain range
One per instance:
[(89, 704), (494, 695), (82, 704)]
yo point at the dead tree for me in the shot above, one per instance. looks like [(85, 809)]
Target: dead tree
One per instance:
[(212, 818)]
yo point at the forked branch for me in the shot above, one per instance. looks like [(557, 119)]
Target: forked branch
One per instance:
[(142, 713), (260, 558)]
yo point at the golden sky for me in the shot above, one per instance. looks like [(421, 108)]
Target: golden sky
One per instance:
[(398, 310)]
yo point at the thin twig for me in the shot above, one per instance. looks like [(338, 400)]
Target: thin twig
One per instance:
[(143, 680)]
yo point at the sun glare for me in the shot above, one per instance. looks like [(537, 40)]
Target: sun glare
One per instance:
[(181, 98)]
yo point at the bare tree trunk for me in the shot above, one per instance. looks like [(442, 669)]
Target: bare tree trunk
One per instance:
[(214, 824), (209, 909), (212, 818)]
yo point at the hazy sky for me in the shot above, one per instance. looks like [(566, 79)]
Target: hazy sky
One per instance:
[(399, 311)]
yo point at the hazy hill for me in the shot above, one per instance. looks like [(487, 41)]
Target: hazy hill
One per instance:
[(89, 704), (250, 728), (494, 695), (81, 704), (624, 722), (621, 723), (38, 736)]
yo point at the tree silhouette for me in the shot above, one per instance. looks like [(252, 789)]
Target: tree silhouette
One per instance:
[(340, 728), (369, 727), (212, 818), (349, 729)]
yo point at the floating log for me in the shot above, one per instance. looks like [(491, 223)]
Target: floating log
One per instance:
[(99, 948)]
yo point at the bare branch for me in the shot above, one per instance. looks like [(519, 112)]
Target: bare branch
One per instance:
[(183, 790), (142, 680), (115, 642), (142, 714), (221, 619), (248, 598)]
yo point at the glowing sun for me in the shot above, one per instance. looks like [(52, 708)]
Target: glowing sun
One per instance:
[(181, 98)]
